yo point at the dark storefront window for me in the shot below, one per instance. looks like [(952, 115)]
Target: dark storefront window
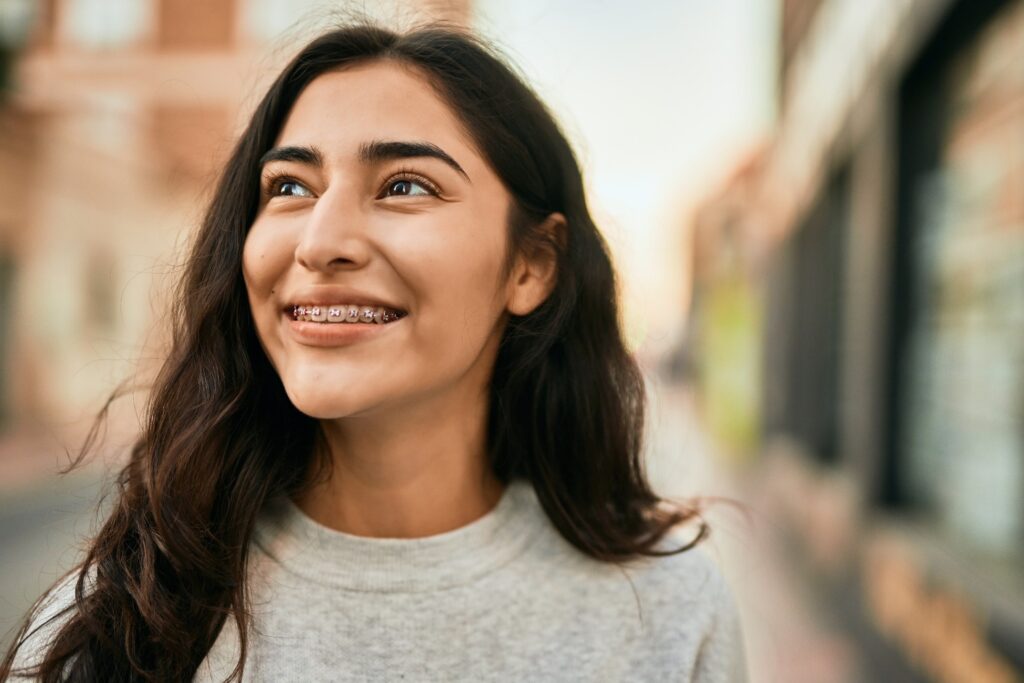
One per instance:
[(959, 430), (813, 268)]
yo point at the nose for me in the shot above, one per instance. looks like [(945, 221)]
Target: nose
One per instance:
[(334, 237)]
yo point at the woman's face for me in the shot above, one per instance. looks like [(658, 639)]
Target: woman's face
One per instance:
[(373, 194)]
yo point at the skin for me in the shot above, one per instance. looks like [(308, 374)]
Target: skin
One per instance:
[(404, 412)]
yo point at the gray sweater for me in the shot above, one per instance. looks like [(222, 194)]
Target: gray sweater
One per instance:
[(504, 598)]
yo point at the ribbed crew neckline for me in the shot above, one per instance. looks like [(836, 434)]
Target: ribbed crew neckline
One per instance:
[(328, 556)]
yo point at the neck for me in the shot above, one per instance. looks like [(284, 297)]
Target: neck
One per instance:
[(408, 473)]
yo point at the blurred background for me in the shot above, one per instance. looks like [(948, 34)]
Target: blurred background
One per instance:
[(817, 210)]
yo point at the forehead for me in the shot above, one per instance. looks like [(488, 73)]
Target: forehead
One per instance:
[(382, 99)]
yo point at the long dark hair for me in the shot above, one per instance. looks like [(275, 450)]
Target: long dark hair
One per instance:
[(567, 399)]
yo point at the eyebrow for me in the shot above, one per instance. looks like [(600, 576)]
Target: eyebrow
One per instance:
[(369, 152), (381, 150), (303, 155)]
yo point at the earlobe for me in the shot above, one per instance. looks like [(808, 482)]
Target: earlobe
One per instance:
[(536, 273)]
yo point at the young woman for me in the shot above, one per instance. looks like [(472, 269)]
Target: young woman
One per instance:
[(398, 435)]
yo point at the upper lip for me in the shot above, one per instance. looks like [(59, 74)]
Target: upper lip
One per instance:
[(324, 295)]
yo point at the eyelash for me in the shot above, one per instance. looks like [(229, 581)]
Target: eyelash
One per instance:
[(409, 174), (272, 183)]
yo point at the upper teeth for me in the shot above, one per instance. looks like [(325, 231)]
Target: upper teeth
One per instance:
[(344, 313)]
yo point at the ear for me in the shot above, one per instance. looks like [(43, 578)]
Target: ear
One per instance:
[(535, 273)]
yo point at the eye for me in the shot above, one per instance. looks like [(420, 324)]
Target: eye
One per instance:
[(297, 189), (409, 185), (284, 186)]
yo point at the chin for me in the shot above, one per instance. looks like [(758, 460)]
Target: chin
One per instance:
[(324, 405), (318, 392)]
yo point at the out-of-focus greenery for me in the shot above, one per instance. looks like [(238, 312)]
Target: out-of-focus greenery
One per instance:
[(730, 358)]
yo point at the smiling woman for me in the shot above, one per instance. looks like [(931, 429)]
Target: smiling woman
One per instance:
[(398, 434)]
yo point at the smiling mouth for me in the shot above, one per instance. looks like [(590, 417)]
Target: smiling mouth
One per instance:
[(345, 314)]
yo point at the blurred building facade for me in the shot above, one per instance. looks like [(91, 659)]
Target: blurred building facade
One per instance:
[(115, 116), (729, 243), (881, 234)]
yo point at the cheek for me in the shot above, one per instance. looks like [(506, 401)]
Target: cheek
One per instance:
[(263, 259), (456, 288)]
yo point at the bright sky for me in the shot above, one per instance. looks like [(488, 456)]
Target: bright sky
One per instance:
[(658, 102)]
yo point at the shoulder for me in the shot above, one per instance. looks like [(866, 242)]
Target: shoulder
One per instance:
[(45, 619), (691, 580), (688, 599), (695, 571)]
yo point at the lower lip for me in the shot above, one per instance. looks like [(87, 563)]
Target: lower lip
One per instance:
[(335, 334)]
